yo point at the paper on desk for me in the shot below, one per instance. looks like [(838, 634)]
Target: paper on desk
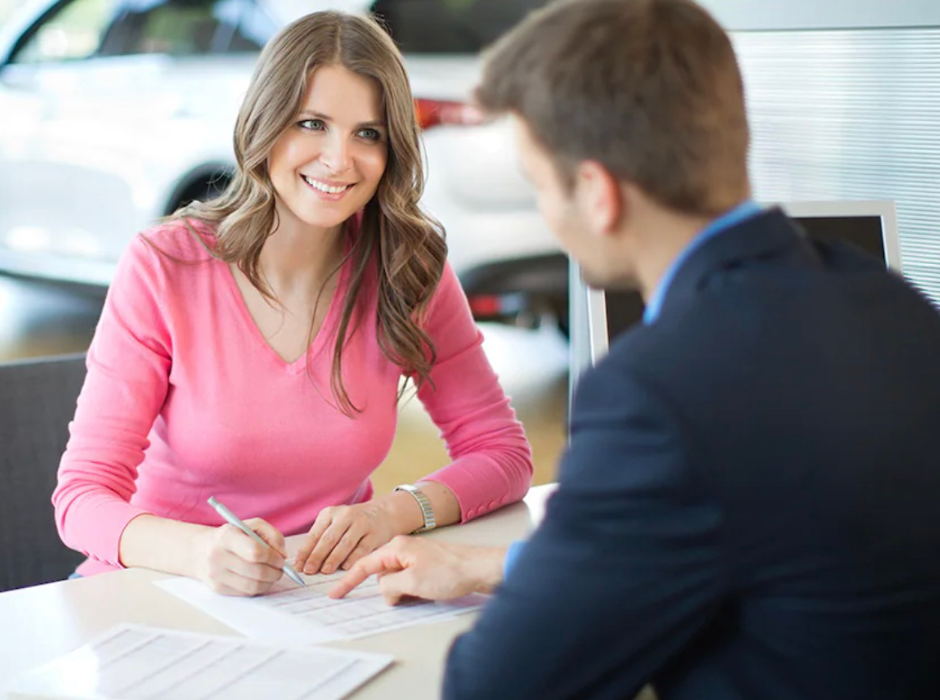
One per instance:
[(308, 616), (131, 662)]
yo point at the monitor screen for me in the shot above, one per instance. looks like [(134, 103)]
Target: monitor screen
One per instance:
[(625, 308), (864, 232)]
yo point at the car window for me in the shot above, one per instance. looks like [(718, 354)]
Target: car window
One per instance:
[(72, 32), (255, 28), (450, 26), (178, 28)]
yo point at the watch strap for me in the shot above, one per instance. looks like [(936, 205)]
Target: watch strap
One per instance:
[(427, 512)]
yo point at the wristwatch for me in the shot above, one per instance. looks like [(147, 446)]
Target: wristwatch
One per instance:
[(424, 503)]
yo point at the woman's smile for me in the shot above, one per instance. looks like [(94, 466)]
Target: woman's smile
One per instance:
[(326, 189)]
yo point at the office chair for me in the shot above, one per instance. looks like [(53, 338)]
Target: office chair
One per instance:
[(37, 401)]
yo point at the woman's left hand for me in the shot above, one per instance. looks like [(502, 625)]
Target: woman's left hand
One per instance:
[(342, 535)]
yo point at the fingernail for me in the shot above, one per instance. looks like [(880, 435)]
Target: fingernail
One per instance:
[(328, 569), (309, 570)]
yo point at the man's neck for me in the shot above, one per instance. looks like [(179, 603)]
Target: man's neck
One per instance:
[(670, 235)]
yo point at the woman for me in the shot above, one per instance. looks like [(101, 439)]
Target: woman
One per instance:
[(253, 347)]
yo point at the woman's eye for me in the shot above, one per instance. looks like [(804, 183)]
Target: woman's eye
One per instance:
[(371, 134), (312, 124)]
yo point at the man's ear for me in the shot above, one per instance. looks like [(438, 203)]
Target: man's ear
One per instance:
[(601, 197)]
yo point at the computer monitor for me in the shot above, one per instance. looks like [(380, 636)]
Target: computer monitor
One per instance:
[(597, 316)]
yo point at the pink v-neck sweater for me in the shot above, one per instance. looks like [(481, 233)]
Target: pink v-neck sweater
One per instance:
[(185, 399)]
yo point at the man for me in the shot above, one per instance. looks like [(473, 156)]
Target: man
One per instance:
[(748, 505)]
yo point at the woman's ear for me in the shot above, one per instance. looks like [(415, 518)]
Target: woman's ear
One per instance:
[(600, 196)]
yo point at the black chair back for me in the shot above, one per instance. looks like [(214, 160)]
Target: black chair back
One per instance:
[(37, 401)]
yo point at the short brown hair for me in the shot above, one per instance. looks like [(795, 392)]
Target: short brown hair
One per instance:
[(648, 88)]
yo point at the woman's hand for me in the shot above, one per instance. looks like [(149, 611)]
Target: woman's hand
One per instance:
[(342, 535), (231, 563)]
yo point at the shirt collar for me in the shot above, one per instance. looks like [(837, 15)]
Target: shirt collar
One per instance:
[(729, 219)]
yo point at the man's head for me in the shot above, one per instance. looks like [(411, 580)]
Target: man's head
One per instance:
[(623, 107)]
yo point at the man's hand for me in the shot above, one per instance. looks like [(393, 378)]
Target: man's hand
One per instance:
[(423, 568)]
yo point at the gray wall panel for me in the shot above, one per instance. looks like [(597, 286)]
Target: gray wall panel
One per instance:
[(851, 114), (824, 14)]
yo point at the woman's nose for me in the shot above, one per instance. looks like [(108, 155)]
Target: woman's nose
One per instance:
[(336, 154)]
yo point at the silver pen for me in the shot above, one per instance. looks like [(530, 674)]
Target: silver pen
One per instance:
[(237, 522)]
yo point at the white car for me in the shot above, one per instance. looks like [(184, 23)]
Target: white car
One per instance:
[(115, 112)]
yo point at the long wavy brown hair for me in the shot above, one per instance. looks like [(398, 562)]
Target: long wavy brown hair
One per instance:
[(407, 244)]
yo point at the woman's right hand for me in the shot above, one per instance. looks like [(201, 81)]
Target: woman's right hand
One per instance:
[(231, 563)]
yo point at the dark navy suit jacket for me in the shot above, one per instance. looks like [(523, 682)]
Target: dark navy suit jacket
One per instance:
[(749, 506)]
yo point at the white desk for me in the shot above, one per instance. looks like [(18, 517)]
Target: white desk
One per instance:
[(40, 623)]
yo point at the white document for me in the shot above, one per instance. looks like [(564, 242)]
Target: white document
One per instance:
[(131, 662), (307, 616)]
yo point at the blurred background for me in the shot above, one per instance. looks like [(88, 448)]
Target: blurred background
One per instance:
[(115, 112)]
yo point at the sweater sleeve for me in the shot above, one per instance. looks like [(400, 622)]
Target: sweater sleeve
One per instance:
[(492, 460), (125, 387)]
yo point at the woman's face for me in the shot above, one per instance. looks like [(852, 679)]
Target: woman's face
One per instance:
[(328, 163)]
